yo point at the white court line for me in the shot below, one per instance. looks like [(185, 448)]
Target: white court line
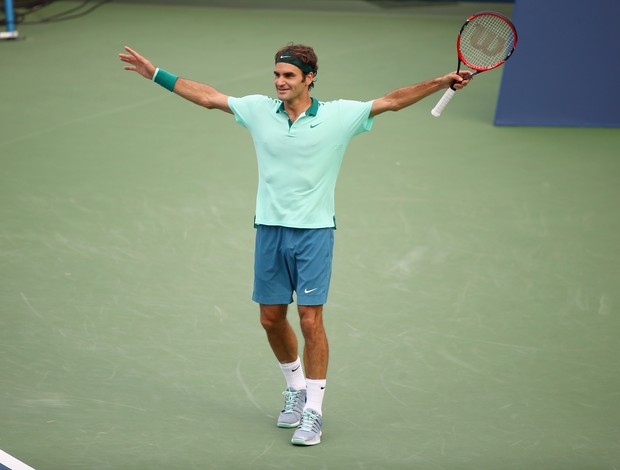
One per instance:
[(82, 119), (240, 78), (11, 462)]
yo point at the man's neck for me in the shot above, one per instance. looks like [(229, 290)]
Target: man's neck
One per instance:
[(295, 107)]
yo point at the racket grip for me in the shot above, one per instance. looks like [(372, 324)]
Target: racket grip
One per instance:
[(443, 102)]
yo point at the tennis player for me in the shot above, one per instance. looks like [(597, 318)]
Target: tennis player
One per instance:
[(299, 143)]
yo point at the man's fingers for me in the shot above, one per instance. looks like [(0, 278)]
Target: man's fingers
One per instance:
[(137, 63), (134, 53)]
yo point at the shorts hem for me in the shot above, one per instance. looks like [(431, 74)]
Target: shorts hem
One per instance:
[(310, 301), (272, 300)]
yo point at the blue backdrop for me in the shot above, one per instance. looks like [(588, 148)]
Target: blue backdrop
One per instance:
[(566, 68)]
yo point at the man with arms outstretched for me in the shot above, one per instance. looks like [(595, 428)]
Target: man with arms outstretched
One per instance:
[(299, 143)]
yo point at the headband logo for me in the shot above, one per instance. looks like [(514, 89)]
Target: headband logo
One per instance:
[(287, 58)]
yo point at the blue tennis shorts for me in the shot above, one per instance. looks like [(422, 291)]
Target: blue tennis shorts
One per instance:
[(288, 260)]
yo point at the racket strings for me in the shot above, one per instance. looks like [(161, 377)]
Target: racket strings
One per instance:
[(486, 41)]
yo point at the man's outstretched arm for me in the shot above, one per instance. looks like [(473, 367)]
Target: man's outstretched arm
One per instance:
[(406, 96), (199, 93)]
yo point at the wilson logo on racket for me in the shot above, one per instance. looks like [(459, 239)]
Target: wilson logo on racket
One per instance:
[(485, 42)]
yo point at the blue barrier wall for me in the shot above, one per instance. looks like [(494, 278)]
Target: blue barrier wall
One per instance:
[(566, 68)]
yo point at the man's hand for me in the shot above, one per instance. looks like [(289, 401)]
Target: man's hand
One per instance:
[(457, 81), (137, 63)]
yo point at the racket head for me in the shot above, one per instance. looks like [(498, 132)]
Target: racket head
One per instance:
[(486, 40)]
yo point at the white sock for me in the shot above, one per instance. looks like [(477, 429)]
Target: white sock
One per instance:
[(315, 390), (294, 375)]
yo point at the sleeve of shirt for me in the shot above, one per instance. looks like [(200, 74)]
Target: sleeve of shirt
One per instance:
[(245, 108), (357, 116)]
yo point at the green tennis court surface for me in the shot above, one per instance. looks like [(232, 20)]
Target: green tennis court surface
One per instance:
[(473, 314)]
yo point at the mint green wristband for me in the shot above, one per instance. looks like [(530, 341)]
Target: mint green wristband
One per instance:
[(165, 79)]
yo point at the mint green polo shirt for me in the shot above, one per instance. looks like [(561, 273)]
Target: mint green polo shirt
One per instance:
[(298, 163)]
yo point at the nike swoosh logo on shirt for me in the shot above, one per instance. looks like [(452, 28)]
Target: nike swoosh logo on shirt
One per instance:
[(312, 126)]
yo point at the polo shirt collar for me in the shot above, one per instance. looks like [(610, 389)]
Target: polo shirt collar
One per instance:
[(311, 111)]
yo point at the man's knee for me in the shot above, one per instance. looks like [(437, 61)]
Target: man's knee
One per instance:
[(311, 319), (273, 317)]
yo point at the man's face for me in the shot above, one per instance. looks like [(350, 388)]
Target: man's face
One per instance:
[(289, 81)]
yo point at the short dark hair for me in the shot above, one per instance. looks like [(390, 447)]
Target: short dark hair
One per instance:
[(305, 54)]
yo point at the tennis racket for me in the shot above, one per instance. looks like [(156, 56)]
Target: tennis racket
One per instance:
[(486, 41)]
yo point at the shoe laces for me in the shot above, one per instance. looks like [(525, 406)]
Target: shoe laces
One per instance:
[(290, 400), (310, 421)]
